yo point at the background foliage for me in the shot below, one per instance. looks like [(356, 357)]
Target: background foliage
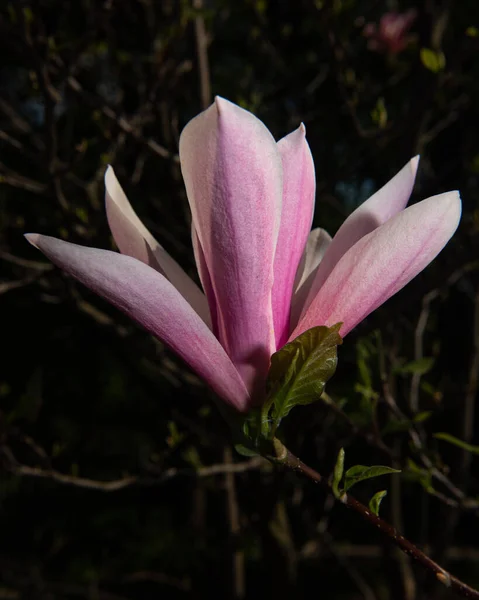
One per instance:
[(87, 398)]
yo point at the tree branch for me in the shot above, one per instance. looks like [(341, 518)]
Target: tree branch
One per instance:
[(118, 484), (289, 460)]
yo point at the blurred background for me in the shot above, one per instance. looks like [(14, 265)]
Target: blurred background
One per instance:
[(118, 479)]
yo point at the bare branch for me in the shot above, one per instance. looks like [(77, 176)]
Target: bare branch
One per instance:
[(117, 484)]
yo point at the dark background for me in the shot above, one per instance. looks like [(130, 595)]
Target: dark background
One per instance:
[(118, 480)]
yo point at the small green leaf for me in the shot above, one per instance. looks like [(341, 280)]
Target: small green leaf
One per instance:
[(417, 367), (28, 15), (360, 473), (376, 500), (422, 416), (192, 456), (379, 114), (363, 356), (394, 425), (447, 437), (300, 370), (244, 451), (368, 393), (433, 60), (419, 474), (175, 438), (430, 390), (338, 474)]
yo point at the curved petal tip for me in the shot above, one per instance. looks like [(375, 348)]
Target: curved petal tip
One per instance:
[(32, 238), (414, 163)]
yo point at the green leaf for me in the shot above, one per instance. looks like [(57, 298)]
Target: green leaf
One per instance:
[(28, 15), (192, 456), (363, 355), (419, 474), (375, 502), (395, 425), (338, 474), (430, 390), (360, 473), (300, 370), (244, 451), (175, 438), (379, 114), (422, 416), (417, 367), (368, 393), (447, 437), (433, 60)]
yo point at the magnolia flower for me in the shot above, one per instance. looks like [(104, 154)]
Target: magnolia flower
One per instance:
[(391, 34), (266, 277)]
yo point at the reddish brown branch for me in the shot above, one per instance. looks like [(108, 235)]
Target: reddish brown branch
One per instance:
[(286, 458)]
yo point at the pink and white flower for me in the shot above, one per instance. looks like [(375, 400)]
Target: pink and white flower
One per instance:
[(266, 278), (391, 35)]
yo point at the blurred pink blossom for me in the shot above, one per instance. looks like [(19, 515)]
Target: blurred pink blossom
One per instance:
[(266, 277), (391, 34)]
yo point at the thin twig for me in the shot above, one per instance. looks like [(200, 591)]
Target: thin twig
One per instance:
[(405, 571), (471, 393), (238, 568), (14, 179), (419, 348), (366, 591), (202, 53), (118, 484), (120, 121), (417, 443)]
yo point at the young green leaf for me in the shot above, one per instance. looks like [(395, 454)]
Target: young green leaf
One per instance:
[(447, 437), (422, 416), (338, 474), (396, 425), (375, 501), (245, 451), (421, 366), (300, 370), (419, 474), (360, 473), (433, 60)]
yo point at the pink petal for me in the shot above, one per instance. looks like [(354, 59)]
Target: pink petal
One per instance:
[(383, 262), (233, 176), (134, 239), (205, 280), (382, 205), (316, 246), (151, 300), (296, 219)]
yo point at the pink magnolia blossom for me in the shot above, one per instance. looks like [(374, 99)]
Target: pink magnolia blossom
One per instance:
[(391, 34), (266, 277)]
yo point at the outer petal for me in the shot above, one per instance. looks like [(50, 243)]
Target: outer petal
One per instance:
[(151, 300), (134, 239), (316, 246), (296, 218), (384, 204), (382, 262), (233, 176), (205, 279)]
